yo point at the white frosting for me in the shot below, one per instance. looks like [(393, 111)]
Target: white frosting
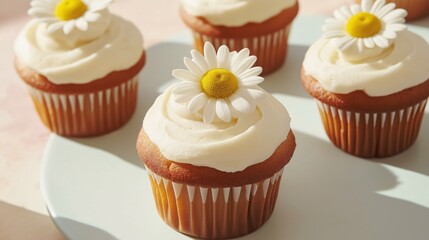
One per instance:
[(402, 65), (234, 13), (229, 147), (110, 44)]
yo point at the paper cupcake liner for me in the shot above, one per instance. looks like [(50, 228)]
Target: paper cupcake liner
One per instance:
[(270, 49), (415, 8), (372, 134), (86, 114), (206, 212)]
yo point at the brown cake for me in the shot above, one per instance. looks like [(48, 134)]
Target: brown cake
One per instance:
[(81, 66), (215, 171), (210, 177), (267, 40)]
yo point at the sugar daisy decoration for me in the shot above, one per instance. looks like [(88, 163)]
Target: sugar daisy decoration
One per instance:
[(67, 14), (222, 84), (369, 25)]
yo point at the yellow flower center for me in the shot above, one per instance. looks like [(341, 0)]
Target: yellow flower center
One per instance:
[(363, 25), (70, 9), (219, 83)]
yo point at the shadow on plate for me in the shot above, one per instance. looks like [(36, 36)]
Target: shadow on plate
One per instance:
[(19, 223), (411, 158), (76, 230), (155, 76), (327, 195), (287, 80)]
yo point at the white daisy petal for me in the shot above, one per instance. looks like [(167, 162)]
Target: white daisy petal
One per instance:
[(339, 15), (92, 17), (381, 41), (48, 5), (355, 8), (197, 102), (239, 57), (234, 112), (368, 42), (243, 101), (209, 113), (69, 26), (378, 5), (391, 22), (55, 26), (334, 34), (48, 20), (254, 71), (223, 57), (256, 94), (40, 4), (244, 93), (99, 5), (367, 5), (183, 98), (193, 67), (395, 20), (244, 65), (183, 93), (200, 60), (82, 24), (44, 11), (232, 54), (241, 104), (210, 55), (185, 88), (385, 10), (397, 27), (334, 28), (389, 34), (345, 42), (252, 81), (39, 12), (185, 75), (397, 13), (222, 110)]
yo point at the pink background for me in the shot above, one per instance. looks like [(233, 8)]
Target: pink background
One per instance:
[(22, 135)]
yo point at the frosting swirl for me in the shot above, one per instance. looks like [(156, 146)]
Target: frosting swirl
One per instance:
[(183, 137), (394, 69), (82, 56), (234, 13)]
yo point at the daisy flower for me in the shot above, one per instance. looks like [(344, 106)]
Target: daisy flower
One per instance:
[(367, 25), (222, 84), (67, 14)]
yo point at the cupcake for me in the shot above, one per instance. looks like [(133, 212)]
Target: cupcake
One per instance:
[(369, 77), (81, 65), (215, 145), (261, 26), (415, 8)]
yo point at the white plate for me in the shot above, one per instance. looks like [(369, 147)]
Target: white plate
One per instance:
[(96, 188)]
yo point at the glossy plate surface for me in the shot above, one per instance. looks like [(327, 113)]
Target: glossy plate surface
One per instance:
[(96, 188)]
